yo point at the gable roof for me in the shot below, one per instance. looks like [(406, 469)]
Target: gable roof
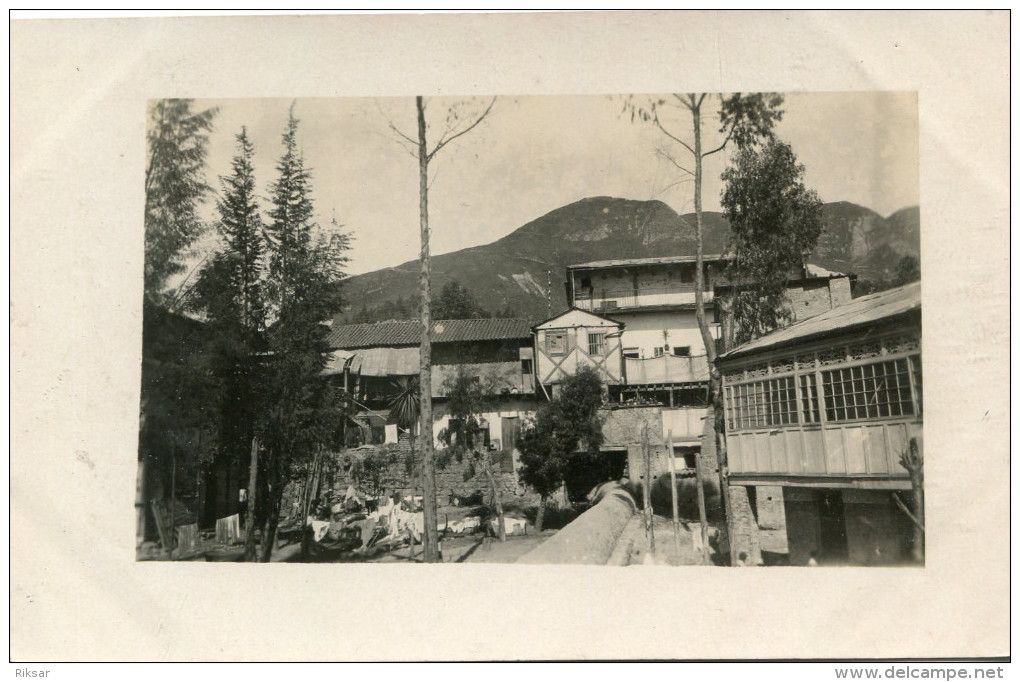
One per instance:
[(578, 316), (408, 332), (857, 313), (631, 262)]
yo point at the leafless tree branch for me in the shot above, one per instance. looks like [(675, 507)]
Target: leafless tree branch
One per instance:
[(903, 508), (669, 157), (447, 140), (722, 146), (658, 124)]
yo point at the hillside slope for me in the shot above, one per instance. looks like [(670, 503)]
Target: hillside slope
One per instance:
[(523, 271)]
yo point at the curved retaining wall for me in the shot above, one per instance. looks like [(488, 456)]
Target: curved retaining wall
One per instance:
[(591, 538)]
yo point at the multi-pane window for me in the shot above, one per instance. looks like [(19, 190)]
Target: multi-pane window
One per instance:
[(808, 398), (915, 363), (881, 389), (596, 343), (770, 402), (556, 343), (877, 390)]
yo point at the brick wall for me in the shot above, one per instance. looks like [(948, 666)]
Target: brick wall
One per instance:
[(813, 298)]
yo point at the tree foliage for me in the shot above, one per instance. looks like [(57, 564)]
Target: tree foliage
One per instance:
[(469, 397), (456, 302), (775, 221), (175, 187), (265, 295), (908, 269), (230, 293), (561, 427), (303, 286)]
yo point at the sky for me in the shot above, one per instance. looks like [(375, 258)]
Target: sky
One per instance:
[(533, 154)]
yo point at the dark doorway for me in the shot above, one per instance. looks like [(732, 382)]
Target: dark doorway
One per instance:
[(832, 527)]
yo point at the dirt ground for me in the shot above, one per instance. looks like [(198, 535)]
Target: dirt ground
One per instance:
[(686, 552)]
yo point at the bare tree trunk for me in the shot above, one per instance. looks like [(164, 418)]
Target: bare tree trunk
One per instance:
[(173, 499), (497, 498), (702, 514), (646, 491), (676, 506), (311, 492), (430, 536), (269, 529), (249, 521), (714, 378), (913, 461), (274, 495)]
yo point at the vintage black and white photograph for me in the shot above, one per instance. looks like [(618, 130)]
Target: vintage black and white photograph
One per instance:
[(671, 329), (498, 336)]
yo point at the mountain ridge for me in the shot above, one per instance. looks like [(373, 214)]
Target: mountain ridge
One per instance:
[(522, 272)]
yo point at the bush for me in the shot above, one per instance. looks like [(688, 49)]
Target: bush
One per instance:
[(687, 498)]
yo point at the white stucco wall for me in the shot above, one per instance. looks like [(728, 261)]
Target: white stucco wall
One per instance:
[(644, 330)]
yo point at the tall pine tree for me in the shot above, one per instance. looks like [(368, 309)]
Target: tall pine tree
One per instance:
[(230, 293), (305, 269), (174, 188)]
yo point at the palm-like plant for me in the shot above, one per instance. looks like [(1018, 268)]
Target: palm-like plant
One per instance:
[(405, 405)]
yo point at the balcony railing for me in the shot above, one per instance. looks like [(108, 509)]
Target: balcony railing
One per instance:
[(605, 300), (666, 369)]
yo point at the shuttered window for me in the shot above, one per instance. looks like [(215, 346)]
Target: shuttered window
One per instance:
[(555, 343)]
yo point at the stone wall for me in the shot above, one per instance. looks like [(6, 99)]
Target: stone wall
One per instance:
[(449, 480), (743, 529), (591, 538), (623, 426)]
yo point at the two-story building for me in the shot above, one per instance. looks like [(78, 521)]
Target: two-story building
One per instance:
[(373, 362), (818, 415)]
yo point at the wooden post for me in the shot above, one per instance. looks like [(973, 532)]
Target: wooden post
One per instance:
[(647, 493), (249, 520), (676, 506), (702, 515), (140, 514), (497, 499), (430, 535), (173, 496)]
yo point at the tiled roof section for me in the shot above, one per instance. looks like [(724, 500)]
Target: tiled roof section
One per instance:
[(861, 311), (408, 332), (628, 262)]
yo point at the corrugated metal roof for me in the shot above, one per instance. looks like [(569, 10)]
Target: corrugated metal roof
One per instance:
[(408, 332), (861, 311), (659, 260), (375, 362)]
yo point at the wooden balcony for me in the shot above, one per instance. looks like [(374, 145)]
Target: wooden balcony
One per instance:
[(607, 300), (665, 370), (863, 450)]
